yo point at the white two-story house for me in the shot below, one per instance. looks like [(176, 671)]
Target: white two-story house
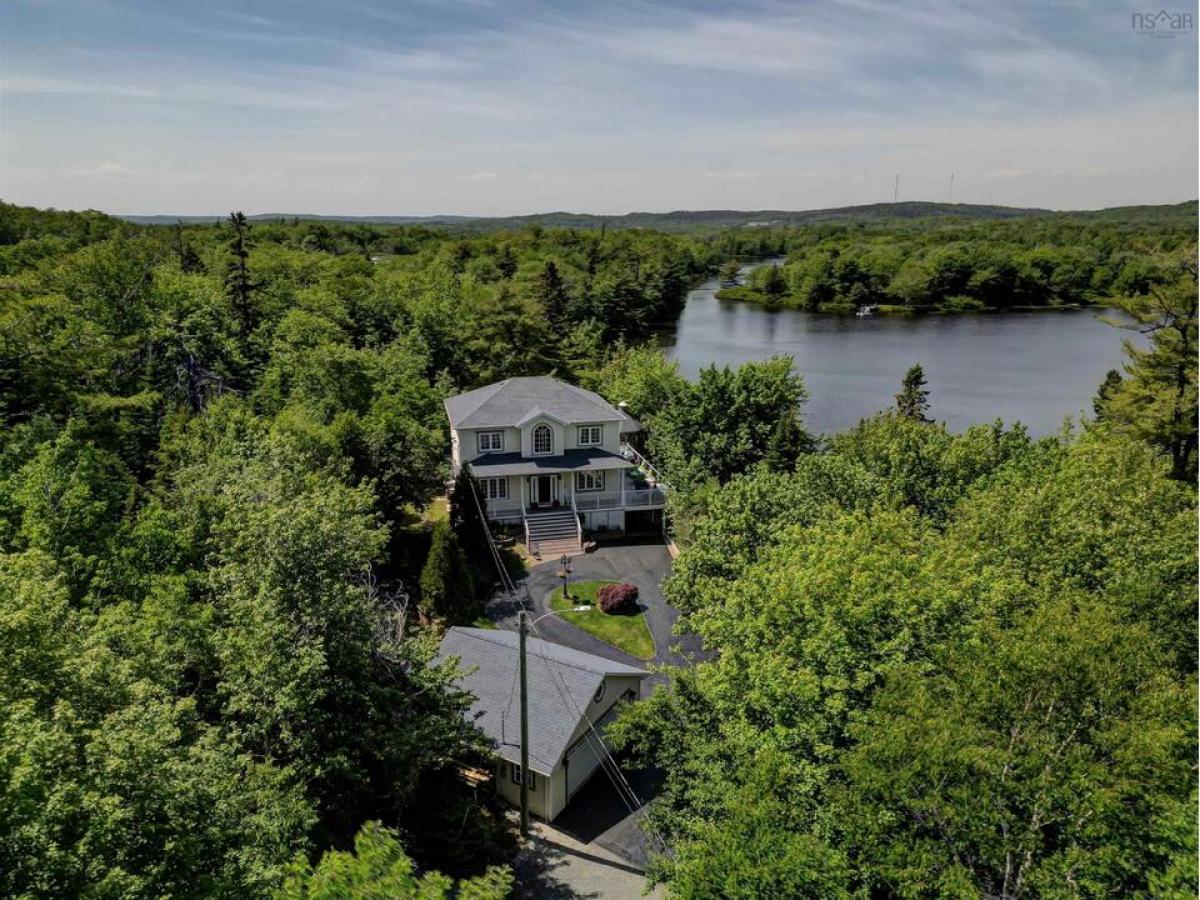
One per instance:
[(551, 456)]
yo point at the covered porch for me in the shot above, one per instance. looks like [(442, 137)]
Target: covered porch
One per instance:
[(582, 480)]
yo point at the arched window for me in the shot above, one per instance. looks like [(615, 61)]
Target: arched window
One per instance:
[(543, 439)]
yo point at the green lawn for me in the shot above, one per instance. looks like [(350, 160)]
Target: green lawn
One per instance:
[(627, 633)]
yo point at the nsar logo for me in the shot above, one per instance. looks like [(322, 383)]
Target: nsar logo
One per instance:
[(1162, 24)]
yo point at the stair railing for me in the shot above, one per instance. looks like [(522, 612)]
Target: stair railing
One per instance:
[(578, 524)]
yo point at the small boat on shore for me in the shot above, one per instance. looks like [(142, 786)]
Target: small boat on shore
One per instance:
[(869, 310)]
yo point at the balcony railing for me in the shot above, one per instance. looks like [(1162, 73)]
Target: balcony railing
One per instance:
[(631, 453), (638, 499), (646, 498)]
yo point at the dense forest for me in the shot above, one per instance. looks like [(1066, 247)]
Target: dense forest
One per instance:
[(954, 265), (945, 664)]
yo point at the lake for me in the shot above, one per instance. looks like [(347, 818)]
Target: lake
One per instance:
[(1033, 367)]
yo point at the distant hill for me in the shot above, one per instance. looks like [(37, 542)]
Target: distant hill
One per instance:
[(273, 217), (715, 219)]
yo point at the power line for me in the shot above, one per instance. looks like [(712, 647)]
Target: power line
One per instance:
[(610, 766)]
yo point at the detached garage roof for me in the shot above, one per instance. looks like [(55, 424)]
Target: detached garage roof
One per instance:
[(561, 684), (510, 402)]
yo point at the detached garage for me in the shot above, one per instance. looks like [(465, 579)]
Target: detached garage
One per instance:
[(572, 697)]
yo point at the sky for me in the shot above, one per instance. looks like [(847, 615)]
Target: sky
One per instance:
[(501, 107)]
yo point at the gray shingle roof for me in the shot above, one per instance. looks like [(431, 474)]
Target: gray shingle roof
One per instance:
[(585, 459), (490, 659), (509, 402)]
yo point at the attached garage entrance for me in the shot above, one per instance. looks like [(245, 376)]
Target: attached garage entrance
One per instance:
[(582, 760), (583, 757)]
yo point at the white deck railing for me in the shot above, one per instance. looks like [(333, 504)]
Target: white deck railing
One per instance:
[(626, 500), (646, 498), (597, 501), (631, 453)]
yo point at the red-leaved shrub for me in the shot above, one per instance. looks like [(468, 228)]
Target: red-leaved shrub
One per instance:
[(617, 598)]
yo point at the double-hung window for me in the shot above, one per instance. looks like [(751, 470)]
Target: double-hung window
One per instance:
[(591, 435), (515, 774), (491, 441), (589, 481), (543, 440), (494, 488)]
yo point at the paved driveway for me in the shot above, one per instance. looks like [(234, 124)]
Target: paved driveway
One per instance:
[(597, 847), (645, 564)]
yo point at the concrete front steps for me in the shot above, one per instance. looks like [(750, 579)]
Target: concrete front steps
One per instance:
[(552, 533)]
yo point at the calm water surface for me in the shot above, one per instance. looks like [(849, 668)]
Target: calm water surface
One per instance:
[(1034, 367)]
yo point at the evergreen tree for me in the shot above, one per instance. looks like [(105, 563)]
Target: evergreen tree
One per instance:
[(511, 337), (447, 589), (506, 261), (467, 521), (786, 443), (189, 260), (774, 284), (913, 400), (239, 288), (1157, 400), (1111, 382), (551, 292)]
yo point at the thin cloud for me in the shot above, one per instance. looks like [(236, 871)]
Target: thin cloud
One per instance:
[(106, 169)]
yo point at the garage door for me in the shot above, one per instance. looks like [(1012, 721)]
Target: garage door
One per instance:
[(582, 761)]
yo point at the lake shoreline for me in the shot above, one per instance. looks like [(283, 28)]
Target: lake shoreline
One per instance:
[(1016, 364), (896, 309)]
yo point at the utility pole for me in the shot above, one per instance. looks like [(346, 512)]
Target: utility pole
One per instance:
[(896, 192), (523, 628)]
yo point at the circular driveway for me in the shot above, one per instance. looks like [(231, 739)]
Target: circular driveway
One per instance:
[(642, 564)]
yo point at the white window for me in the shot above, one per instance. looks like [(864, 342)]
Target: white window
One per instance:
[(495, 488), (491, 441), (543, 439), (515, 775), (589, 481), (591, 435)]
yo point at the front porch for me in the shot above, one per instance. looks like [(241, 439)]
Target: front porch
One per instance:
[(578, 481)]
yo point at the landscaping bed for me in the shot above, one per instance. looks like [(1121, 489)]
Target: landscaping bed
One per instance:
[(627, 632)]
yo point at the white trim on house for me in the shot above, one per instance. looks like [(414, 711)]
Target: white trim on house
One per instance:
[(494, 488), (490, 441), (591, 435), (527, 428), (589, 481), (541, 428)]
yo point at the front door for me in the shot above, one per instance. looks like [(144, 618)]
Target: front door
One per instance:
[(541, 490)]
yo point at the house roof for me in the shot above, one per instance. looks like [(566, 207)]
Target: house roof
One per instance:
[(561, 683), (585, 459), (514, 401)]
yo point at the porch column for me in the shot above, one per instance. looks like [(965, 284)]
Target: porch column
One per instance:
[(621, 473), (522, 479)]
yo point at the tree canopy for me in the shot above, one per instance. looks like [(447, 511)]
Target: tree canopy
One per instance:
[(942, 664)]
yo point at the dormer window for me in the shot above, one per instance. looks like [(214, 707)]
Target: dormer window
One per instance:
[(543, 440), (591, 435), (491, 441)]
